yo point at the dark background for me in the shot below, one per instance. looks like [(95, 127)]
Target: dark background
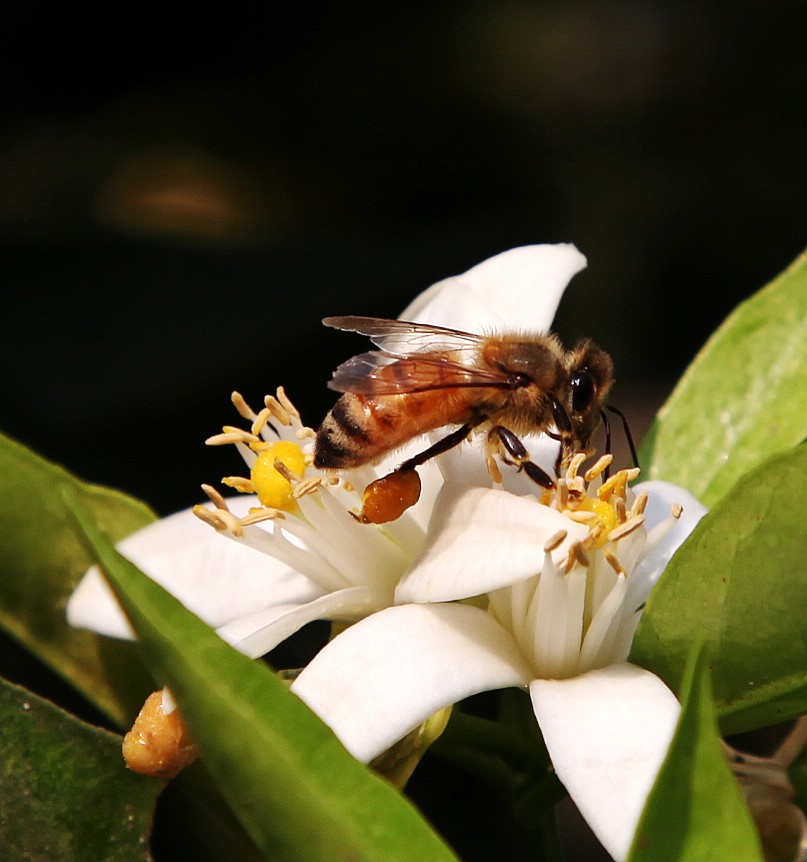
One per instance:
[(180, 204)]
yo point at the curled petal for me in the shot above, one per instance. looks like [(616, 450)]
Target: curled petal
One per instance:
[(480, 540), (517, 289), (259, 633), (218, 580), (662, 496), (388, 673), (665, 533), (607, 733)]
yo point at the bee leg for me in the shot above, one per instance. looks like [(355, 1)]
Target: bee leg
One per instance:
[(387, 498), (448, 442), (513, 452), (625, 427), (564, 425), (607, 425)]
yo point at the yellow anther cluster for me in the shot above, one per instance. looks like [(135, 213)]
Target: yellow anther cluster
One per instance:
[(605, 514), (270, 473)]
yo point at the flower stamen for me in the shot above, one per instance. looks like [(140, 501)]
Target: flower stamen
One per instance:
[(233, 435), (555, 541), (239, 483), (639, 504), (613, 562), (577, 556), (240, 404), (306, 486), (599, 467), (626, 529)]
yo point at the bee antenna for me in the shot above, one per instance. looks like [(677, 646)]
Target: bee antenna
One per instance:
[(625, 426)]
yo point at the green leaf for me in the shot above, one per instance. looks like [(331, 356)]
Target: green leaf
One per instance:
[(65, 793), (292, 785), (695, 812), (739, 584), (41, 561), (742, 398)]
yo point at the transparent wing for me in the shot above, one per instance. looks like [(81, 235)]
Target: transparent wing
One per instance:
[(380, 373), (403, 337)]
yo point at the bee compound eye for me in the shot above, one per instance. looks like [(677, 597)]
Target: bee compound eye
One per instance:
[(583, 390)]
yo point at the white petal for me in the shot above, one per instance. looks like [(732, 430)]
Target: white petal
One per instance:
[(259, 633), (480, 540), (607, 733), (661, 496), (217, 579), (385, 675), (517, 289), (466, 465)]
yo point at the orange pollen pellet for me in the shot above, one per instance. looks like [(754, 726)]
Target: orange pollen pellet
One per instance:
[(390, 496)]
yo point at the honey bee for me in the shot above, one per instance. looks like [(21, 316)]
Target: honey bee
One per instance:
[(427, 377)]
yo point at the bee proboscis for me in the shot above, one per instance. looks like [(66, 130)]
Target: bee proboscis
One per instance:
[(427, 377)]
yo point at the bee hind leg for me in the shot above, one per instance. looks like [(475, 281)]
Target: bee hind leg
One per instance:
[(448, 442), (387, 498), (513, 452)]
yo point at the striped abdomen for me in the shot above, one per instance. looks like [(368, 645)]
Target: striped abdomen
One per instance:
[(361, 429)]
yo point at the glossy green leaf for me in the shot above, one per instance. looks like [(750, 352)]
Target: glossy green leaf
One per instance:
[(695, 812), (64, 790), (742, 398), (738, 583), (41, 560), (292, 785)]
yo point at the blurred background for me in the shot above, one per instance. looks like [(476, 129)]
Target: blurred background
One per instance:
[(180, 205)]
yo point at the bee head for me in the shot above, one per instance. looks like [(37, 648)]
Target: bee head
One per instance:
[(591, 374)]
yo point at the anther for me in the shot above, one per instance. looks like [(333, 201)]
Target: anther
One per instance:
[(613, 562), (626, 529), (215, 497), (575, 464), (555, 541), (239, 483), (210, 518), (639, 504), (598, 467), (289, 475), (277, 410), (616, 486), (576, 555), (286, 404), (236, 435), (594, 538), (230, 523), (259, 515), (240, 404), (261, 421), (577, 487), (676, 510), (581, 516), (307, 486)]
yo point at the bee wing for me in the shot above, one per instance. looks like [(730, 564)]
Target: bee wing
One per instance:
[(380, 373), (404, 337)]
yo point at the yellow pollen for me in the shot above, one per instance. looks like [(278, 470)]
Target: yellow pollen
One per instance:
[(274, 490), (605, 515)]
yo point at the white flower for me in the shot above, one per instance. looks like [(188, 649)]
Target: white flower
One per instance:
[(309, 559), (566, 584), (561, 599)]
